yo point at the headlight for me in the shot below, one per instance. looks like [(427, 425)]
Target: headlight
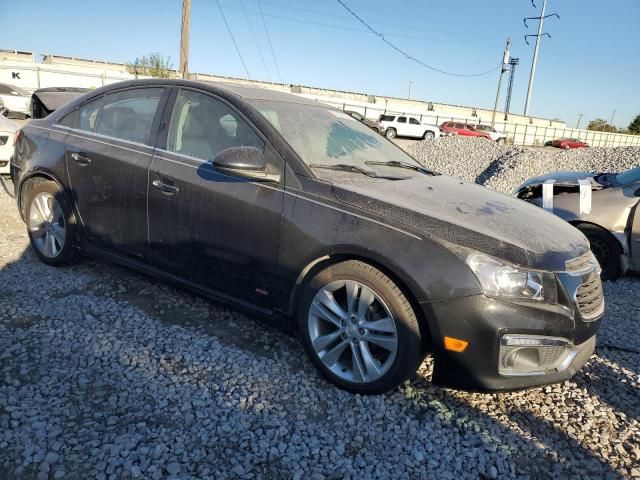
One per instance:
[(502, 280)]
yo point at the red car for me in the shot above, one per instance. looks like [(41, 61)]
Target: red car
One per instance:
[(463, 129), (567, 143)]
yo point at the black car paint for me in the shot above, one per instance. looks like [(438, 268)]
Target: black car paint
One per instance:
[(303, 222)]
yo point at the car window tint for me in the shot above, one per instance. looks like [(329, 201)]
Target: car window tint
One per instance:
[(202, 127), (69, 120), (413, 121), (402, 119), (459, 125), (88, 115), (387, 118), (128, 114)]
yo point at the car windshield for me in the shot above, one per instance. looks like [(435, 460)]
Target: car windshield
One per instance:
[(324, 136), (629, 176)]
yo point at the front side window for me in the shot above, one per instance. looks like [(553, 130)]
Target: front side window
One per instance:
[(413, 121), (202, 127), (128, 114), (89, 114), (402, 119)]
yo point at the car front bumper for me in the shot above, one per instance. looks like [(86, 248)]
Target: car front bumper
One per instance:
[(483, 322)]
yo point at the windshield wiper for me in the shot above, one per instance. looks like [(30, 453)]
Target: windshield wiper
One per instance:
[(343, 167), (409, 166)]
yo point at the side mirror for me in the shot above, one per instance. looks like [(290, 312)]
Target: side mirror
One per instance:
[(637, 193), (244, 162)]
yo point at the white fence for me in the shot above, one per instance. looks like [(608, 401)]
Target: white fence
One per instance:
[(32, 77), (517, 134)]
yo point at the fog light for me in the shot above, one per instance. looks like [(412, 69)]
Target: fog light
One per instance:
[(534, 354)]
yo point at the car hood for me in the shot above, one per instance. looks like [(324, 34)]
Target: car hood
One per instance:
[(450, 210), (563, 179)]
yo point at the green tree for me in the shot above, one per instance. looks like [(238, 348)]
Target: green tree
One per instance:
[(601, 125), (634, 126), (154, 65)]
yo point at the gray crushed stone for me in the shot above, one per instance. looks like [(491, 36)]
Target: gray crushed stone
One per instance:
[(106, 374)]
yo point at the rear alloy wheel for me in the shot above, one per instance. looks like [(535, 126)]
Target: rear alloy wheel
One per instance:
[(429, 135), (605, 248), (390, 133), (359, 329), (50, 224)]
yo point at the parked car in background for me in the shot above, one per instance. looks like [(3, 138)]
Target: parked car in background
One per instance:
[(407, 126), (46, 100), (8, 129), (15, 99), (494, 134), (369, 123), (567, 143), (603, 206), (464, 130), (299, 213)]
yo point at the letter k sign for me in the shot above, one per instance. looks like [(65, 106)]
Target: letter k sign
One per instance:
[(16, 75)]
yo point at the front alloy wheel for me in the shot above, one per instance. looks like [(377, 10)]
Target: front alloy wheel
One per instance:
[(352, 331), (359, 328)]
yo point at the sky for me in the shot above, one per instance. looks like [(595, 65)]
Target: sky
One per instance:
[(590, 64)]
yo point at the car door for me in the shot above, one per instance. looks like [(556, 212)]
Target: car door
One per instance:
[(401, 125), (108, 155), (415, 128), (211, 229)]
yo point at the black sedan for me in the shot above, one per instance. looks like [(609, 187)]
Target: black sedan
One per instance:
[(295, 211)]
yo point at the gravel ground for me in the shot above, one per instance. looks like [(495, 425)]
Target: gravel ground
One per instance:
[(107, 374), (504, 167)]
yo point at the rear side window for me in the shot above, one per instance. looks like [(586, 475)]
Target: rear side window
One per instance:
[(460, 126), (402, 119), (202, 126), (128, 115), (413, 121), (89, 114), (387, 118), (69, 120)]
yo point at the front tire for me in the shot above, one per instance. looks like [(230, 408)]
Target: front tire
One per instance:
[(359, 329), (429, 135), (606, 249), (51, 224), (390, 133)]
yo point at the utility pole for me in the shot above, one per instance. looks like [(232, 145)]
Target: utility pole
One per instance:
[(410, 86), (536, 49), (580, 115), (503, 68), (512, 72), (184, 39), (612, 115)]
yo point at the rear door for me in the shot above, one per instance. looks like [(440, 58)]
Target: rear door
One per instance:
[(401, 125), (214, 230), (108, 155)]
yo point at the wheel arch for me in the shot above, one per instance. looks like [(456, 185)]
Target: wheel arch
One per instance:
[(27, 182), (394, 272), (578, 223)]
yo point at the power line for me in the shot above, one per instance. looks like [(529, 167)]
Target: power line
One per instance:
[(273, 54), (255, 41), (233, 39), (409, 57)]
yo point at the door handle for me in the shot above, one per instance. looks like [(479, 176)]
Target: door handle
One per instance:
[(165, 188), (80, 159)]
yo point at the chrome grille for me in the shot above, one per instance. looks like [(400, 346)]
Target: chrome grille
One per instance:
[(590, 299), (580, 264)]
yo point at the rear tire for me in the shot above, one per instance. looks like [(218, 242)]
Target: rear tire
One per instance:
[(606, 249), (359, 329), (390, 133), (429, 135), (51, 224)]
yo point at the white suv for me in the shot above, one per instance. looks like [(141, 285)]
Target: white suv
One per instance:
[(407, 126)]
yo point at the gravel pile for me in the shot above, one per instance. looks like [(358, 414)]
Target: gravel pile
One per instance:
[(504, 167), (106, 374)]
